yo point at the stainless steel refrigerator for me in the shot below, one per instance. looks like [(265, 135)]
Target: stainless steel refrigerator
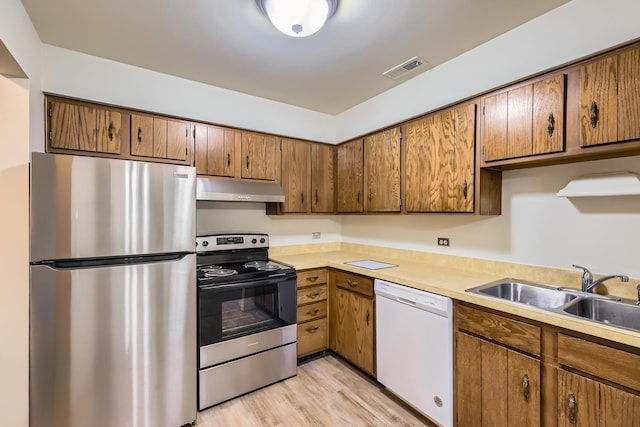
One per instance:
[(113, 293)]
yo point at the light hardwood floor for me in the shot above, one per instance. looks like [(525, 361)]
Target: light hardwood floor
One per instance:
[(326, 392)]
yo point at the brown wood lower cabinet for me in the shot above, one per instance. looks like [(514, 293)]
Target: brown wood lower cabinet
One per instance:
[(352, 319), (313, 328), (513, 372), (495, 385)]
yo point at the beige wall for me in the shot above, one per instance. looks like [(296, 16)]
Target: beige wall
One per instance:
[(14, 251)]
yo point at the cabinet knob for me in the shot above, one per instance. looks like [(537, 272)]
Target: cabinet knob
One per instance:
[(366, 318), (465, 189), (312, 329), (316, 197), (370, 195), (228, 159), (551, 123), (302, 197), (110, 132), (139, 135), (313, 278), (572, 408), (352, 283), (313, 295), (313, 312), (247, 161), (358, 197), (593, 114), (525, 387)]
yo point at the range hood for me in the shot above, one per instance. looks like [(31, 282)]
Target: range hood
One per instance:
[(603, 184), (226, 190)]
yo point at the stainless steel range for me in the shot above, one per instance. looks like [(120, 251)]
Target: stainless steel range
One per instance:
[(246, 317)]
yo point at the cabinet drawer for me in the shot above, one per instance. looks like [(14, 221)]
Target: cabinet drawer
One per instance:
[(353, 282), (312, 311), (312, 337), (605, 362), (312, 277), (510, 332), (312, 294)]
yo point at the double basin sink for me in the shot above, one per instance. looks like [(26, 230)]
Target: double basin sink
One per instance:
[(597, 308)]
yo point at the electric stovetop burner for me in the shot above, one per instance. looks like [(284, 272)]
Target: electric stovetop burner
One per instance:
[(218, 272)]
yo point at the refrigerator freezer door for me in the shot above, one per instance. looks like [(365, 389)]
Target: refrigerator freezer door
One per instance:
[(114, 346), (88, 207)]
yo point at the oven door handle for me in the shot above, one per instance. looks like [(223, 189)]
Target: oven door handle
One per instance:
[(272, 280)]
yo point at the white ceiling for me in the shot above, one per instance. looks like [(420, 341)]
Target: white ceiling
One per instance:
[(230, 44)]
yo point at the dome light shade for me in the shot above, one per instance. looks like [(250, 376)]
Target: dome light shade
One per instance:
[(298, 18)]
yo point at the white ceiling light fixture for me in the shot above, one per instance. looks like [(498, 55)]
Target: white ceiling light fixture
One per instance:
[(298, 18)]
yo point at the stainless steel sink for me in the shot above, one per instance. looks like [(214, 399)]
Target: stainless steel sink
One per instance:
[(610, 312), (528, 293)]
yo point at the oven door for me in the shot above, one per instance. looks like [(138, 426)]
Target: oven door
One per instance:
[(231, 311)]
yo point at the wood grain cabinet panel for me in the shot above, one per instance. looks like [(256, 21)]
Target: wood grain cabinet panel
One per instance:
[(323, 166), (495, 386), (142, 135), (296, 176), (598, 109), (81, 127), (629, 95), (177, 140), (382, 171), (350, 178), (352, 320), (159, 138), (260, 157), (524, 121), (440, 161), (216, 150), (578, 401), (313, 325)]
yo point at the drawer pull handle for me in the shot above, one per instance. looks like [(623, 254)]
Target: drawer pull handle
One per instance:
[(228, 159), (247, 161), (313, 312), (313, 278), (111, 128), (312, 329), (313, 295), (367, 317), (316, 198), (593, 114), (139, 135), (525, 387), (551, 122), (465, 189), (352, 283), (572, 408)]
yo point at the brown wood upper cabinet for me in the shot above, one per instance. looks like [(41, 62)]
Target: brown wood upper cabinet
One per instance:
[(307, 177), (260, 156), (439, 161), (81, 127), (382, 171), (296, 176), (610, 99), (158, 137), (350, 179), (216, 150), (524, 121)]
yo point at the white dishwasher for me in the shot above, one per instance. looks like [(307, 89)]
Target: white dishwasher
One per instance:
[(414, 348)]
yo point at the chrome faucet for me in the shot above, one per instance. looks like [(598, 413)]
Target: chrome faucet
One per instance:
[(587, 279)]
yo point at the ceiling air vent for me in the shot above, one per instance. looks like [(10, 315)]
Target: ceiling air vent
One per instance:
[(405, 68)]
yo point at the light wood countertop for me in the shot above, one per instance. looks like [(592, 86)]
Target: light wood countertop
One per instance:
[(451, 276)]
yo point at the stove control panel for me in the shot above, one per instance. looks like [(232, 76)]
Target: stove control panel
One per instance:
[(224, 242)]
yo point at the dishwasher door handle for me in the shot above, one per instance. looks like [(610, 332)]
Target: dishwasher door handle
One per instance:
[(405, 301)]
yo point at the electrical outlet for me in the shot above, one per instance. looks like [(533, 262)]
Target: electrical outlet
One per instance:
[(443, 241), (315, 235)]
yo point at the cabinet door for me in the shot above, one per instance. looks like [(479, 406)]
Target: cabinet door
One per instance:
[(548, 115), (460, 187), (494, 138), (84, 128), (598, 106), (417, 135), (350, 176), (322, 178), (629, 95), (177, 140), (520, 122), (215, 150), (259, 156), (382, 171), (142, 135), (618, 408), (296, 177), (468, 380), (579, 401), (523, 373)]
